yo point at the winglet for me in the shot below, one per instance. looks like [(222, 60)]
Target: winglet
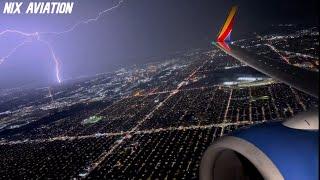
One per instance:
[(225, 33)]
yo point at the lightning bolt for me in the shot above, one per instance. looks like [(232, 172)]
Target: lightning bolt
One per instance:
[(55, 59), (18, 32), (14, 50), (87, 21), (36, 36)]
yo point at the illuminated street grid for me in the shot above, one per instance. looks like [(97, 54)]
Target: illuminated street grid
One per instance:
[(152, 121)]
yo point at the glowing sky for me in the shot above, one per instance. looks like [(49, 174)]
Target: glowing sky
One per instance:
[(130, 34)]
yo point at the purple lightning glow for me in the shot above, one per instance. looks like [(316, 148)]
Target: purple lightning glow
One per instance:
[(36, 36)]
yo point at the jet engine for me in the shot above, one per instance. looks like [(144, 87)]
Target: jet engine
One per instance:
[(277, 150)]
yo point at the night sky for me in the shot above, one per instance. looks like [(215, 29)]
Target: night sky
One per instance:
[(132, 33)]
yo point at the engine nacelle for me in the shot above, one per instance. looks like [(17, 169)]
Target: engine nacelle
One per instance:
[(277, 150)]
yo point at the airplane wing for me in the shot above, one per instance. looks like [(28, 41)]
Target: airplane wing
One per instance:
[(301, 79), (273, 150)]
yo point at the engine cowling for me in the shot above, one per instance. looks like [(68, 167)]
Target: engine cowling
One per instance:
[(278, 150)]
